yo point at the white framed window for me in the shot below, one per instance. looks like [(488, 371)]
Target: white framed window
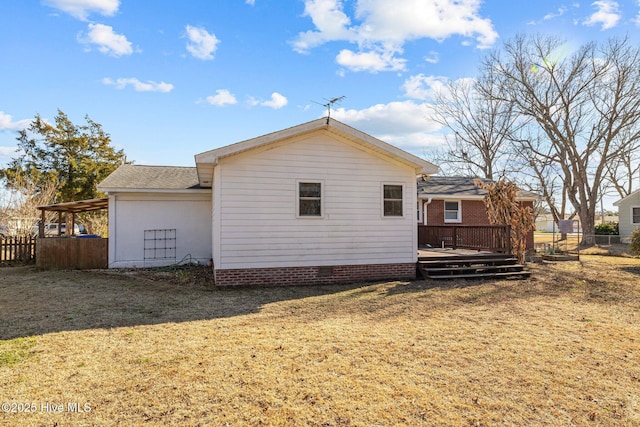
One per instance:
[(392, 200), (310, 199), (452, 211), (635, 215), (419, 213)]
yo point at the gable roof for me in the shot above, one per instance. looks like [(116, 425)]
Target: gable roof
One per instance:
[(150, 178), (458, 187), (206, 162), (626, 199)]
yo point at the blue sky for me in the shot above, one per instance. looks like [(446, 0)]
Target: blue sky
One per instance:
[(170, 79)]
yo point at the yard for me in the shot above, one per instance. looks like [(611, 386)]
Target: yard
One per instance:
[(95, 348)]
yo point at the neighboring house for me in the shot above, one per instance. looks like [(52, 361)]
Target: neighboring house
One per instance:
[(458, 201), (545, 222), (316, 203), (628, 214)]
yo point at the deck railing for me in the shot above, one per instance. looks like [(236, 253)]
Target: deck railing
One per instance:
[(494, 238)]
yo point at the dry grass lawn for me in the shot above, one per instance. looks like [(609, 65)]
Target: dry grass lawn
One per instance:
[(560, 349)]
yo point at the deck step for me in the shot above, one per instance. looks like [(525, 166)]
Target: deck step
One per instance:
[(470, 261), (469, 256), (510, 274), (476, 268)]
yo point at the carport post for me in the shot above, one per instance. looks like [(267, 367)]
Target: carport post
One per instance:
[(41, 226)]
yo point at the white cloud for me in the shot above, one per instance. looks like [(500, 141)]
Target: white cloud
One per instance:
[(379, 33), (138, 86), (81, 9), (433, 58), (108, 42), (607, 14), (276, 102), (250, 2), (423, 87), (330, 21), (561, 11), (6, 154), (221, 98), (7, 123), (202, 44), (370, 61), (403, 124)]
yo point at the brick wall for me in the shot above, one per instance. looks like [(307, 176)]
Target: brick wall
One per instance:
[(314, 275), (473, 213)]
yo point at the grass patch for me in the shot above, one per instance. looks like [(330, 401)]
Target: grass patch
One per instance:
[(559, 348), (15, 350)]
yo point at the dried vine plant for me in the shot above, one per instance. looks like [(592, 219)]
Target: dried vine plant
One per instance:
[(503, 208)]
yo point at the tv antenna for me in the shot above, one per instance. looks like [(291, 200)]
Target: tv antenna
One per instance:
[(329, 104)]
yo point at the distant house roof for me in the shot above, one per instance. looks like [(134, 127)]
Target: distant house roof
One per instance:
[(206, 162), (444, 187), (630, 197), (151, 178)]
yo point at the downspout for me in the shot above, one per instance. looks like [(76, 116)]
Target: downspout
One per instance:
[(424, 211)]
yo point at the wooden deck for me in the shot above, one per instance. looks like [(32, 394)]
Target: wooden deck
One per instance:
[(434, 263)]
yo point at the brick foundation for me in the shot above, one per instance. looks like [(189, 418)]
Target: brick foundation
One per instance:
[(314, 275)]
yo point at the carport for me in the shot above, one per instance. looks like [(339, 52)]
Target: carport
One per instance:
[(71, 251)]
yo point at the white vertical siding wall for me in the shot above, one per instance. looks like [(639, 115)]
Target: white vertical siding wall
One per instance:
[(255, 202), (130, 214)]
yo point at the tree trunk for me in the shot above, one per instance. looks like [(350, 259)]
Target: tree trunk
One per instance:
[(587, 221)]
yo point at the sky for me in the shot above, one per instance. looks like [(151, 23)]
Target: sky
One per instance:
[(170, 79)]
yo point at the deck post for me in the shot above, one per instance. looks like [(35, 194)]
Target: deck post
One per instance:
[(455, 237)]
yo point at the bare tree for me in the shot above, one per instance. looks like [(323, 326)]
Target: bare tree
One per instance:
[(480, 127), (623, 171), (585, 104), (541, 175), (18, 209)]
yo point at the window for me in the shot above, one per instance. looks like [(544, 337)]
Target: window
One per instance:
[(309, 199), (635, 215), (392, 200), (452, 211)]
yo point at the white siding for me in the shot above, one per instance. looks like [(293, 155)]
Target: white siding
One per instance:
[(624, 214), (255, 224), (130, 214)]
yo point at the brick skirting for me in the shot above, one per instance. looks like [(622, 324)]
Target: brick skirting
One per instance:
[(328, 275)]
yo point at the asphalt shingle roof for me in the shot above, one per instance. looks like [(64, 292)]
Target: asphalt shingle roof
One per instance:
[(457, 186), (151, 178)]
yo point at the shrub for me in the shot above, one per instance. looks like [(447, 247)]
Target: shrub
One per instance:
[(607, 228), (635, 241)]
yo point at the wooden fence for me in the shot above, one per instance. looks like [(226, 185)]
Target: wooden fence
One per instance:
[(70, 253), (21, 249), (494, 238)]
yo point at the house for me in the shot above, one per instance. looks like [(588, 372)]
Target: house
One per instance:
[(318, 203), (628, 214), (458, 201)]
